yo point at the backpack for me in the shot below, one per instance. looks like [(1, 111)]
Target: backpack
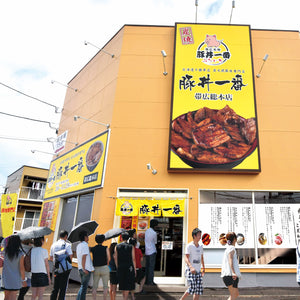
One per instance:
[(27, 261), (62, 261)]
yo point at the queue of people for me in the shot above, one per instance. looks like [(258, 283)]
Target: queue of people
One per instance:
[(119, 265)]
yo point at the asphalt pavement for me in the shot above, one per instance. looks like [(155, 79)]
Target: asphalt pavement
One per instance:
[(174, 292)]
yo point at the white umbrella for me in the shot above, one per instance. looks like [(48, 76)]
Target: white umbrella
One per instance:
[(33, 232)]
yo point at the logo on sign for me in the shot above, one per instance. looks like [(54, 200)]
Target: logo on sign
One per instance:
[(126, 208), (212, 51)]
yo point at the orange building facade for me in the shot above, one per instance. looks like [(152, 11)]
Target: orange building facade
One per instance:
[(131, 93)]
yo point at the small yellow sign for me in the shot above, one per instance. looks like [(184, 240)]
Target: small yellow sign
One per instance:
[(8, 212), (80, 169), (150, 208)]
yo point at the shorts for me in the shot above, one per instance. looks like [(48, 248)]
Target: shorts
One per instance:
[(140, 274), (39, 280), (228, 280), (101, 272), (113, 278), (195, 282)]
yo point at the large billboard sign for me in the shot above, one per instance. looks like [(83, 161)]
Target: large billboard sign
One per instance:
[(79, 169), (213, 126)]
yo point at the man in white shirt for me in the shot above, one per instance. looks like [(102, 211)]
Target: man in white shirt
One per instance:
[(61, 279), (85, 265), (150, 251), (194, 259)]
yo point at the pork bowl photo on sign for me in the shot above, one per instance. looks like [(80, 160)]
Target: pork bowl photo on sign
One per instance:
[(93, 155), (211, 138)]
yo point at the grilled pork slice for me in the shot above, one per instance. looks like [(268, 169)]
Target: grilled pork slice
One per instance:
[(210, 136), (185, 153), (178, 141), (237, 151), (249, 130), (227, 116), (203, 113), (183, 127), (235, 133), (204, 122), (207, 157)]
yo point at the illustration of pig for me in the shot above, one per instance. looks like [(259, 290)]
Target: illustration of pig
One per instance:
[(211, 41)]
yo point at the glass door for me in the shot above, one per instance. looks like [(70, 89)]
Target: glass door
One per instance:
[(169, 262)]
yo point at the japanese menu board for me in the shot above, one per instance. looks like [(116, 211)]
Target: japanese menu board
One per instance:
[(213, 125), (79, 169), (276, 225), (219, 219)]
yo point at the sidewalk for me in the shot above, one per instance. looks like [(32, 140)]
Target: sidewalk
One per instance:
[(174, 292)]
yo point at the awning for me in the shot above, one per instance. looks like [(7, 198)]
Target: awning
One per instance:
[(150, 208)]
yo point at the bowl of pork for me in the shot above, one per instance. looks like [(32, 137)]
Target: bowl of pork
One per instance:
[(210, 138)]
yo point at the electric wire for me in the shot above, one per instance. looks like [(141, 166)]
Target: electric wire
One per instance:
[(22, 139), (34, 98), (26, 118)]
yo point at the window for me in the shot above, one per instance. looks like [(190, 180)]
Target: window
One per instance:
[(31, 218), (76, 210), (267, 224)]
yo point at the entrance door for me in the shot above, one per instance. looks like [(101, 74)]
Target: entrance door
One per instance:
[(169, 262)]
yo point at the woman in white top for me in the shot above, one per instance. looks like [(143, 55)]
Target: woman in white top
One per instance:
[(230, 267), (40, 269)]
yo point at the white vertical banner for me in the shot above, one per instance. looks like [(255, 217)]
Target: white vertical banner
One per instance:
[(60, 142), (219, 219)]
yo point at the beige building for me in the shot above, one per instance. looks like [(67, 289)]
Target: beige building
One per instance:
[(29, 184)]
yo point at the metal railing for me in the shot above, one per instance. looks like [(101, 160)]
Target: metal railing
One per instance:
[(31, 194), (22, 223)]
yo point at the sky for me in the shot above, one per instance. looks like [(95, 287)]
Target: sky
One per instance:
[(43, 40)]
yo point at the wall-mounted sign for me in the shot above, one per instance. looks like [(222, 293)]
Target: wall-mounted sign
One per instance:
[(8, 213), (218, 219), (213, 126), (167, 245), (49, 213), (79, 169), (150, 208), (276, 225), (60, 142)]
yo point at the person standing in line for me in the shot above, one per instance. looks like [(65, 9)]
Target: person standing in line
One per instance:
[(85, 265), (40, 271), (60, 279), (113, 279), (140, 274), (194, 260), (125, 263), (230, 267), (13, 274), (150, 251), (101, 258), (26, 246)]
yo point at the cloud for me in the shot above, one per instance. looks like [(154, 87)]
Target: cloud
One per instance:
[(214, 8), (32, 73)]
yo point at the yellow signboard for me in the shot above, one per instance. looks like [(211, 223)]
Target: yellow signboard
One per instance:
[(213, 124), (49, 213), (80, 169), (8, 212), (150, 208)]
